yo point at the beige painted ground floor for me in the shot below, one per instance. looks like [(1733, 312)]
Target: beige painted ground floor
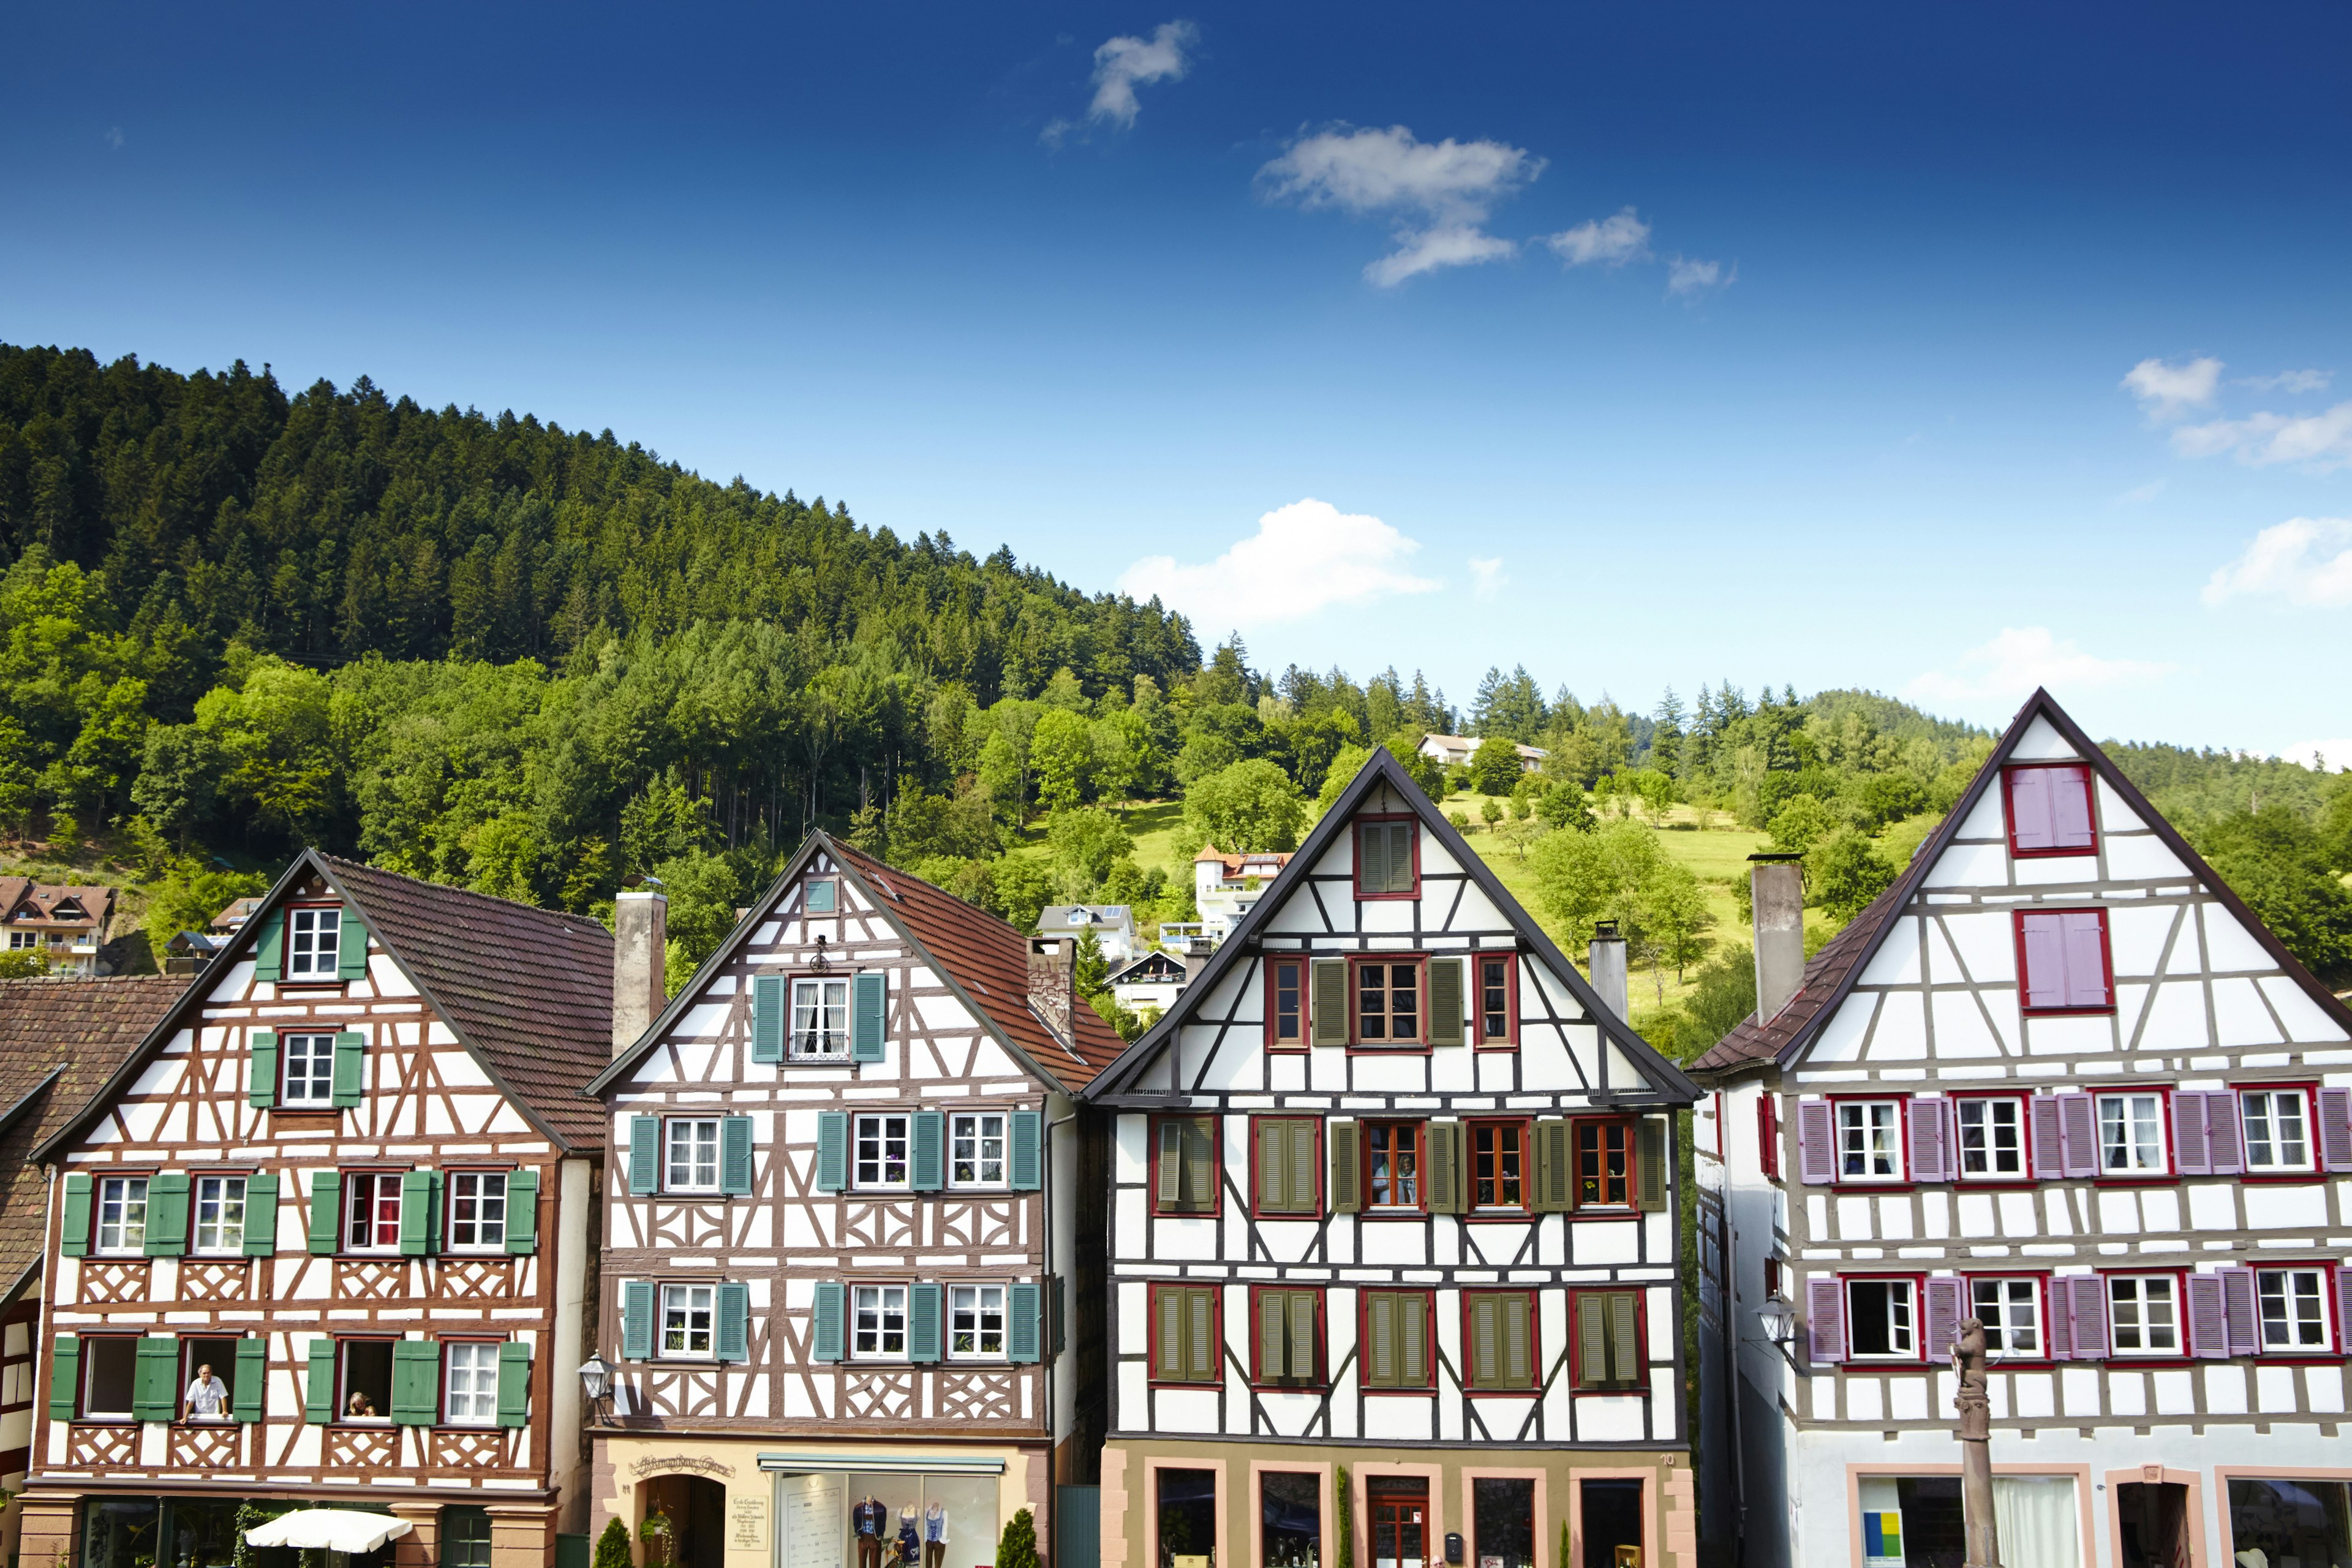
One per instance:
[(1167, 1503), (775, 1502), (155, 1524)]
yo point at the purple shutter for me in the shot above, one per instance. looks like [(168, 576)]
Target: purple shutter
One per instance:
[(2043, 984), (2029, 807), (1943, 1312), (2054, 1330), (2222, 1150), (2069, 808), (2049, 1144), (2080, 1134), (2237, 1311), (2336, 1129), (1825, 1319), (2087, 1317), (2086, 959), (2208, 1331), (2189, 1156), (2343, 1310), (1816, 1143), (1931, 1149)]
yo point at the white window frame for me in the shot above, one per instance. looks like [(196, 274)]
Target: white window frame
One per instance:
[(372, 1183), (2130, 1102), (1902, 1319), (970, 1308), (2277, 1286), (2272, 1101), (690, 1131), (2132, 1290), (22, 940), (469, 1383), (317, 1084), (885, 1303), (314, 942), (89, 1411), (1859, 1131), (882, 1138), (695, 1309), (969, 1127), (2010, 1294), (124, 1235), (472, 1190), (219, 1196), (1991, 1129), (827, 1015)]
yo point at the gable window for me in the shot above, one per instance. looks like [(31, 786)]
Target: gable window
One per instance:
[(880, 1331), (2144, 1314), (976, 1149), (313, 944), (2277, 1130), (220, 1214), (1882, 1318), (2049, 810), (2293, 1306), (687, 1314), (1498, 1011), (1387, 1003), (1604, 1165), (371, 1211), (880, 1156), (820, 896), (308, 1070), (2131, 1134), (1498, 1165), (110, 1376), (1289, 1325), (122, 1215), (1285, 1011), (477, 1211), (1498, 1340), (692, 1164), (2061, 962), (820, 1020), (2010, 1310), (1186, 1180), (1185, 1334), (1607, 1332), (976, 1322), (1396, 1339), (1992, 1139), (1388, 858), (1869, 1133), (1392, 1156), (469, 1390)]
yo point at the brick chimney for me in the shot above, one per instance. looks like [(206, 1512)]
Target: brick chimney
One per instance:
[(1053, 983), (640, 935), (1606, 957), (1777, 882)]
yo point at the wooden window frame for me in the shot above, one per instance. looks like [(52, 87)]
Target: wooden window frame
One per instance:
[(285, 952), (1306, 1041), (2009, 810), (718, 1158), (1256, 1188), (382, 1420), (1902, 1177), (809, 882), (1357, 1043), (83, 1415), (2169, 1174), (849, 1351), (1002, 1355), (1576, 1205), (2327, 1268), (441, 1383), (2026, 1176), (662, 1288), (1919, 1283), (2025, 980), (795, 978), (1509, 1039), (98, 1213), (2180, 1355), (1525, 1208), (1216, 1295), (1534, 1382), (371, 1174), (1420, 1206), (449, 1245), (281, 1103), (1216, 1165), (859, 1115), (1576, 1298), (2040, 1280), (1356, 852), (1321, 1377), (1428, 1298), (947, 1154), (2315, 1171), (196, 1180)]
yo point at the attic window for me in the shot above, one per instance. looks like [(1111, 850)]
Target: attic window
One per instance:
[(820, 896), (313, 943), (1388, 858), (2049, 810)]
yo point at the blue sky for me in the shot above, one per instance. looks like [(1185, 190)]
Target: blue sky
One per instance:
[(1938, 350)]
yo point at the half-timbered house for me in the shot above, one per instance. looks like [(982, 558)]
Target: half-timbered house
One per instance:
[(2061, 1079), (350, 1173), (1392, 1211), (852, 1238)]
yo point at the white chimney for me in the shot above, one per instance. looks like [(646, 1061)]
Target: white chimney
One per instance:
[(640, 941), (1607, 959), (1778, 883)]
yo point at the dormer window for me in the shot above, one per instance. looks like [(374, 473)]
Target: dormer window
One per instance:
[(2049, 810), (314, 944)]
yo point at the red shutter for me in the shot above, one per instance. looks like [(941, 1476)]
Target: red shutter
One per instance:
[(2222, 1150), (2049, 1141), (1825, 1319), (2237, 1311), (2079, 1125), (1944, 1313), (1816, 1143), (2336, 1129), (2069, 808), (2086, 1318), (1768, 1134), (2042, 943), (2209, 1330), (2086, 959), (2029, 809), (2189, 1156)]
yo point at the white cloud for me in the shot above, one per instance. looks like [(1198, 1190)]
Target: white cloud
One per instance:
[(2169, 391), (2139, 495), (2290, 380), (1125, 63), (2021, 658), (1486, 578), (1685, 275), (2304, 560), (1438, 193), (2333, 756), (1304, 558), (1609, 241), (2322, 440)]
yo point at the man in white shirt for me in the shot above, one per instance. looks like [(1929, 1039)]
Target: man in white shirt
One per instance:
[(207, 1396)]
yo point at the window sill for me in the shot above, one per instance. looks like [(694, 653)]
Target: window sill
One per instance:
[(1308, 1215), (1618, 1392), (2089, 852), (2149, 1181), (1418, 1390), (1408, 1048), (95, 1256), (2281, 1178), (2106, 1010), (1499, 1216), (1208, 1384), (1316, 1386), (1527, 1392), (1183, 1214)]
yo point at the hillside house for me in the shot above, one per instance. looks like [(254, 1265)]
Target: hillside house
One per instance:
[(1226, 886), (1456, 750), (1113, 925), (1153, 981), (66, 925)]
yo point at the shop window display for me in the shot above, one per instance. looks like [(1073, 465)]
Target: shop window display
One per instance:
[(1913, 1521), (1503, 1521), (1187, 1504), (2276, 1524), (1290, 1519), (887, 1520)]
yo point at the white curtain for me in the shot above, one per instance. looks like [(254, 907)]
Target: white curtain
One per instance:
[(2038, 1522)]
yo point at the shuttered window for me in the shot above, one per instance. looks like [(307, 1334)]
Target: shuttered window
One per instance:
[(1883, 1318), (1498, 1340), (1286, 1003), (1606, 1329), (1289, 1161), (1388, 1002), (1496, 1000), (1388, 858), (1290, 1327), (1393, 1176), (1603, 1162), (1396, 1339), (1498, 1165), (2063, 962), (1184, 1180), (1184, 1333), (2049, 811)]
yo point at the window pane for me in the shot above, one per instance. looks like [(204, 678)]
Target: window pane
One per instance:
[(1188, 1514), (1290, 1519), (1502, 1522)]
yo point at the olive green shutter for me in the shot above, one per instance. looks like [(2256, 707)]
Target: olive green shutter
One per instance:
[(326, 1211), (768, 1008), (1201, 1360), (922, 1323), (351, 1067), (514, 1383), (1518, 1370), (73, 1236), (733, 1339), (167, 1214), (832, 1151), (270, 952), (522, 1212), (350, 951), (420, 1229), (416, 1382), (734, 1157), (1302, 1335), (1591, 1341), (1650, 1163), (1347, 1167), (249, 1386), (644, 1155), (1445, 1001), (1380, 1328), (825, 1332), (1026, 1156), (1373, 851), (1485, 1341), (261, 1083), (637, 1321), (1168, 1363), (1331, 1001), (65, 1376), (1624, 1337), (867, 1014), (1168, 1179), (1273, 1335), (1444, 1174), (1023, 1339), (319, 1388), (261, 1215), (1200, 1164), (1413, 1341), (930, 1151), (1273, 1165)]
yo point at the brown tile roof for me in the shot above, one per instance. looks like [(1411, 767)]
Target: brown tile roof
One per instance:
[(60, 1040), (1234, 863), (39, 901), (990, 961), (529, 989), (1839, 957)]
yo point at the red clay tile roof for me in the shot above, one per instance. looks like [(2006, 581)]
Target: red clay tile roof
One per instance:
[(60, 1040), (40, 901)]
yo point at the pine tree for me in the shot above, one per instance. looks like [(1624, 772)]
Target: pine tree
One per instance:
[(1018, 1546)]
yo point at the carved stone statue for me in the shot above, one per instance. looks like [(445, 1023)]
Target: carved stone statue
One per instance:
[(1975, 1405)]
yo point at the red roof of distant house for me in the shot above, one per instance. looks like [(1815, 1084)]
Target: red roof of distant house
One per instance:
[(22, 899), (1235, 865)]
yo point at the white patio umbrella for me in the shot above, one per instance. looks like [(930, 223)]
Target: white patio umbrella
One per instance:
[(328, 1529)]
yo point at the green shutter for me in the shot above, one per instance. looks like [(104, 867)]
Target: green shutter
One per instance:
[(419, 1228), (734, 1336), (768, 1005), (637, 1320), (1021, 1330), (817, 896), (1331, 1001), (734, 1157), (416, 1383), (644, 1156), (1381, 1332), (350, 951), (73, 1236), (1273, 1331), (1169, 1172), (155, 1379), (922, 1323), (1273, 1165), (1302, 1335), (1517, 1367), (930, 1151), (270, 952), (1445, 1182), (1650, 1163), (514, 1383), (1553, 1168), (1445, 1001), (1169, 1359), (261, 1083), (1202, 1189), (866, 1016), (1484, 1337), (825, 1332), (249, 1386), (1028, 1161), (167, 1214), (261, 1215), (65, 1376), (522, 1212), (326, 1212), (1373, 851), (1347, 1167), (1591, 1341), (351, 1067), (1625, 1338), (1200, 1334), (319, 1387), (832, 1151), (1412, 1350)]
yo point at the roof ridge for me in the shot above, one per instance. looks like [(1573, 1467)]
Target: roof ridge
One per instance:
[(443, 889)]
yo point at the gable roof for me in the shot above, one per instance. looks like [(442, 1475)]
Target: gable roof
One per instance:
[(1833, 971), (21, 897), (59, 1041), (983, 960), (1234, 863), (529, 992), (1154, 958), (1379, 769)]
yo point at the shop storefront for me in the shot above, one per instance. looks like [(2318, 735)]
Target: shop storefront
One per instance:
[(202, 1532), (2288, 1522), (1913, 1521)]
